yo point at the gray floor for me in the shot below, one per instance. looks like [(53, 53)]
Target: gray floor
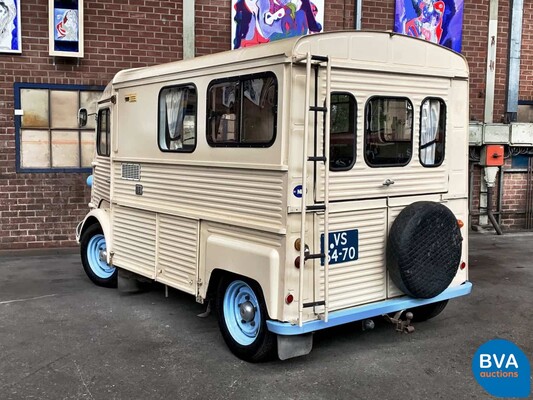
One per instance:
[(63, 338)]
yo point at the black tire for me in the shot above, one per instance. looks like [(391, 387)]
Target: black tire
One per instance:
[(428, 311), (261, 345), (424, 249), (100, 273)]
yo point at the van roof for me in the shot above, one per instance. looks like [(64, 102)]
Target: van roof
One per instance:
[(356, 49)]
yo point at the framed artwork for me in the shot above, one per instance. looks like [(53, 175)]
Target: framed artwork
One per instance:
[(66, 28), (437, 21), (261, 21), (10, 41)]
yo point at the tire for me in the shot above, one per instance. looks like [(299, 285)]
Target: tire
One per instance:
[(428, 311), (424, 249), (99, 271), (242, 319)]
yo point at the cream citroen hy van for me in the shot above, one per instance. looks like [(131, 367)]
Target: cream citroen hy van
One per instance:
[(296, 185)]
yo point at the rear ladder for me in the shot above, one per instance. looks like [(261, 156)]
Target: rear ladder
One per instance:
[(315, 62)]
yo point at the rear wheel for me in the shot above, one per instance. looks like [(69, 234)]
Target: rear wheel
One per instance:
[(428, 311), (242, 319), (93, 257)]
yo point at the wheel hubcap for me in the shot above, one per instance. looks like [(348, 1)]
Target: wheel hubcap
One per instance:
[(97, 257), (242, 314), (247, 311)]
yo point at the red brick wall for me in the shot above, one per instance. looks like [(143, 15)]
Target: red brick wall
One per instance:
[(42, 209)]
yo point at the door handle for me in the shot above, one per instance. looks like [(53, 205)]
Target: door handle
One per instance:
[(388, 182)]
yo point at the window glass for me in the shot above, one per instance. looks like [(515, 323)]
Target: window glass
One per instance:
[(342, 132), (48, 132), (177, 118), (242, 112), (388, 131), (102, 136), (432, 132)]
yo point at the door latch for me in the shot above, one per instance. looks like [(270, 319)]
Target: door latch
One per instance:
[(388, 182)]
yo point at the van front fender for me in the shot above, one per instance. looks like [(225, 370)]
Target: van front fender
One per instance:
[(101, 217)]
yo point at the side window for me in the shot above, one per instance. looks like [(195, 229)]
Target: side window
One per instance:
[(432, 132), (102, 134), (342, 132), (177, 118), (242, 111), (388, 131)]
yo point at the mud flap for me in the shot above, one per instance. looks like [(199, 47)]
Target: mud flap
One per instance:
[(294, 345)]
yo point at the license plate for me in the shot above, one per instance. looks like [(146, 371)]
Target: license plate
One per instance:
[(343, 246)]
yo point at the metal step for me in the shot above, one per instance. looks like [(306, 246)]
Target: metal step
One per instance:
[(316, 207), (319, 58), (318, 108)]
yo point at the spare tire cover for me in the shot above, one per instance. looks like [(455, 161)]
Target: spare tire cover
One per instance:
[(424, 249)]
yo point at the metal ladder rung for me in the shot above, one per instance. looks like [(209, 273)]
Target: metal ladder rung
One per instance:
[(320, 58), (318, 109), (314, 304), (317, 158), (316, 207), (314, 256)]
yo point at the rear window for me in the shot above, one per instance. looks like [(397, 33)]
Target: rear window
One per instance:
[(388, 131), (342, 132), (432, 132)]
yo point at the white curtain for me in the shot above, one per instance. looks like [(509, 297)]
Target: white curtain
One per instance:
[(176, 101), (429, 129)]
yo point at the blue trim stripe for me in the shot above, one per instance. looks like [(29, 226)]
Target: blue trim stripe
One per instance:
[(366, 311)]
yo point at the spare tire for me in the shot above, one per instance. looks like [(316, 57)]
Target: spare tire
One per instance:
[(424, 249)]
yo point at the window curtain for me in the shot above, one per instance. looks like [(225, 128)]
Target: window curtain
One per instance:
[(176, 102), (429, 129)]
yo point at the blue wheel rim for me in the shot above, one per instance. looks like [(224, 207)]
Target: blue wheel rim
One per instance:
[(99, 267), (243, 332)]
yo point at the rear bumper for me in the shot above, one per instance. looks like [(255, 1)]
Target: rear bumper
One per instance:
[(365, 311)]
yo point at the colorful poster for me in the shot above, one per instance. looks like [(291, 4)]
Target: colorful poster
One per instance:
[(437, 21), (66, 25), (261, 21), (10, 26)]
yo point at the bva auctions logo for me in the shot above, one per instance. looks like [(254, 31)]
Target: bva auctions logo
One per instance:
[(502, 369)]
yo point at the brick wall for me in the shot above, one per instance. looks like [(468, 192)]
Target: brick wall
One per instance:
[(41, 210)]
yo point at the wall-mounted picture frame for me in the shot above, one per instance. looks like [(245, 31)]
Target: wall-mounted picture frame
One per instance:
[(256, 22), (66, 28), (437, 21), (10, 35)]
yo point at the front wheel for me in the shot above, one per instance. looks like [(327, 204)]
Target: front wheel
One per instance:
[(242, 319), (93, 257)]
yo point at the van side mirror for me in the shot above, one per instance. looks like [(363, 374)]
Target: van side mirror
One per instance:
[(82, 117)]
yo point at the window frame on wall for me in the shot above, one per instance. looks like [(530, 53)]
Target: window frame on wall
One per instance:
[(163, 137), (382, 138), (18, 87), (239, 120)]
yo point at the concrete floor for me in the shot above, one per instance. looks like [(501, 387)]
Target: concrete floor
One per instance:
[(61, 337)]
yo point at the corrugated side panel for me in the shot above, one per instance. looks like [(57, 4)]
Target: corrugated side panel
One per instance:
[(392, 289), (363, 280), (237, 196), (177, 252), (364, 182), (134, 236), (101, 179)]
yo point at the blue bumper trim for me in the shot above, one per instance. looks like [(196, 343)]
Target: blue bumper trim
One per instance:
[(365, 311)]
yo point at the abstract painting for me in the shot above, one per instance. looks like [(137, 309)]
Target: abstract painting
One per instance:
[(261, 21), (10, 26), (437, 21)]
